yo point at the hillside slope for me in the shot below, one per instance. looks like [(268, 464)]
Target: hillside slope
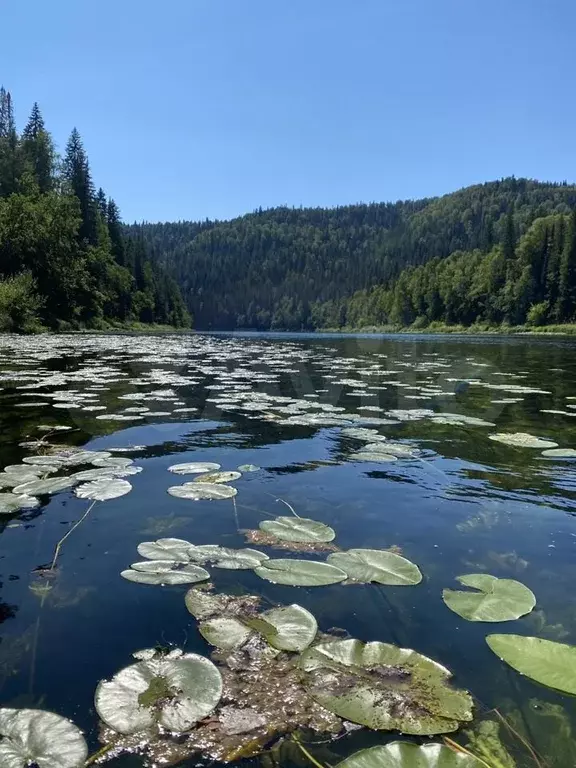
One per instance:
[(288, 268)]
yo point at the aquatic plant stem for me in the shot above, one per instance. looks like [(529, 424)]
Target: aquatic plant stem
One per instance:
[(305, 752), (455, 747), (100, 753), (520, 738), (63, 539), (236, 515), (290, 507)]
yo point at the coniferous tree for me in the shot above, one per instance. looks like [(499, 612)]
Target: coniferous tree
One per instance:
[(566, 303), (79, 182), (102, 204), (116, 233), (8, 146), (38, 151)]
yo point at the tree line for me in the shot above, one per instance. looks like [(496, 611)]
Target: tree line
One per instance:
[(66, 259), (496, 252)]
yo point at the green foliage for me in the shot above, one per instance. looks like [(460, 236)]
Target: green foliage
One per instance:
[(20, 304), (364, 265), (79, 266)]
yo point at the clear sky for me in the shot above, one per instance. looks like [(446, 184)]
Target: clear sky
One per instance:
[(210, 108)]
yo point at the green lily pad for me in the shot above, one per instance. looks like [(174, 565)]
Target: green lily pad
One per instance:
[(372, 457), (384, 687), (34, 737), (298, 529), (560, 453), (8, 480), (202, 491), (248, 468), (166, 549), (175, 692), (42, 486), (300, 573), (164, 573), (289, 628), (218, 477), (238, 559), (366, 565), (402, 754), (497, 600), (522, 440), (104, 489), (545, 661), (194, 468), (226, 632), (10, 503)]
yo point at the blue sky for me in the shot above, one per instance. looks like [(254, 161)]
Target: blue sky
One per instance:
[(210, 108)]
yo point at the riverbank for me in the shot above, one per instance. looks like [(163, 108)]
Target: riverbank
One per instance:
[(567, 329)]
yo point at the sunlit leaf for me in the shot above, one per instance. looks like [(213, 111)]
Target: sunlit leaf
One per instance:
[(381, 566), (31, 737), (496, 600)]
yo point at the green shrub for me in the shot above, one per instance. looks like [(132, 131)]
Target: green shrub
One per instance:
[(20, 304), (538, 314)]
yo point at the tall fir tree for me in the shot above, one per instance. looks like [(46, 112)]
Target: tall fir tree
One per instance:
[(8, 146), (76, 171), (102, 204), (38, 151), (116, 233), (566, 303)]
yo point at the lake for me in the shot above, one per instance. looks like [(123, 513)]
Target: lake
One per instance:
[(297, 407)]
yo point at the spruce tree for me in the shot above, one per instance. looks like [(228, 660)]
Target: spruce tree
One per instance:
[(102, 204), (566, 304), (38, 151), (8, 146), (116, 233), (76, 171)]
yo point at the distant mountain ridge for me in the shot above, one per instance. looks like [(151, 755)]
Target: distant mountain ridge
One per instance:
[(299, 268)]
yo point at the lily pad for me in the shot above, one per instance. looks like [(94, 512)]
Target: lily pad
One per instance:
[(104, 489), (165, 572), (402, 754), (194, 468), (300, 573), (373, 457), (560, 453), (174, 692), (522, 440), (43, 486), (10, 503), (238, 559), (34, 737), (289, 628), (497, 600), (248, 468), (550, 663), (112, 461), (204, 605), (202, 491), (218, 477), (366, 565), (8, 480), (298, 529), (225, 632), (166, 549), (385, 687)]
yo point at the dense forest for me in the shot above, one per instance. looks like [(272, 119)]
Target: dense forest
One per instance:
[(500, 252), (66, 260)]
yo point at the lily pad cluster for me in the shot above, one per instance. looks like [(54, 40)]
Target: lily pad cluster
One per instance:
[(210, 484)]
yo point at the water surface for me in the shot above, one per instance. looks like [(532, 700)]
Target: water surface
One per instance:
[(464, 504)]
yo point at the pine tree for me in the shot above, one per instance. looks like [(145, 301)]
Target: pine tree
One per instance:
[(8, 146), (38, 151), (566, 304), (509, 240), (76, 171), (102, 204), (116, 233)]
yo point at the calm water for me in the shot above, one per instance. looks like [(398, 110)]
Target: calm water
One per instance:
[(465, 504)]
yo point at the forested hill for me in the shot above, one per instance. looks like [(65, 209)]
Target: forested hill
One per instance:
[(66, 261), (306, 268)]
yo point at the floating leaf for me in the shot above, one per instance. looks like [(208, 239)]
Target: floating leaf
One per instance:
[(32, 737), (560, 453), (248, 468), (522, 440), (298, 529), (238, 559), (174, 692), (10, 503), (372, 457), (200, 491), (165, 572), (203, 605), (43, 486), (97, 473), (497, 600), (300, 573), (218, 477), (291, 628), (550, 663), (402, 754), (104, 489), (226, 632), (377, 565), (166, 549), (9, 480), (385, 687), (112, 461), (400, 450), (194, 468)]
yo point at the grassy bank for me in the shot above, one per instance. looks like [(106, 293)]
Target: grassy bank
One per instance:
[(565, 329)]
